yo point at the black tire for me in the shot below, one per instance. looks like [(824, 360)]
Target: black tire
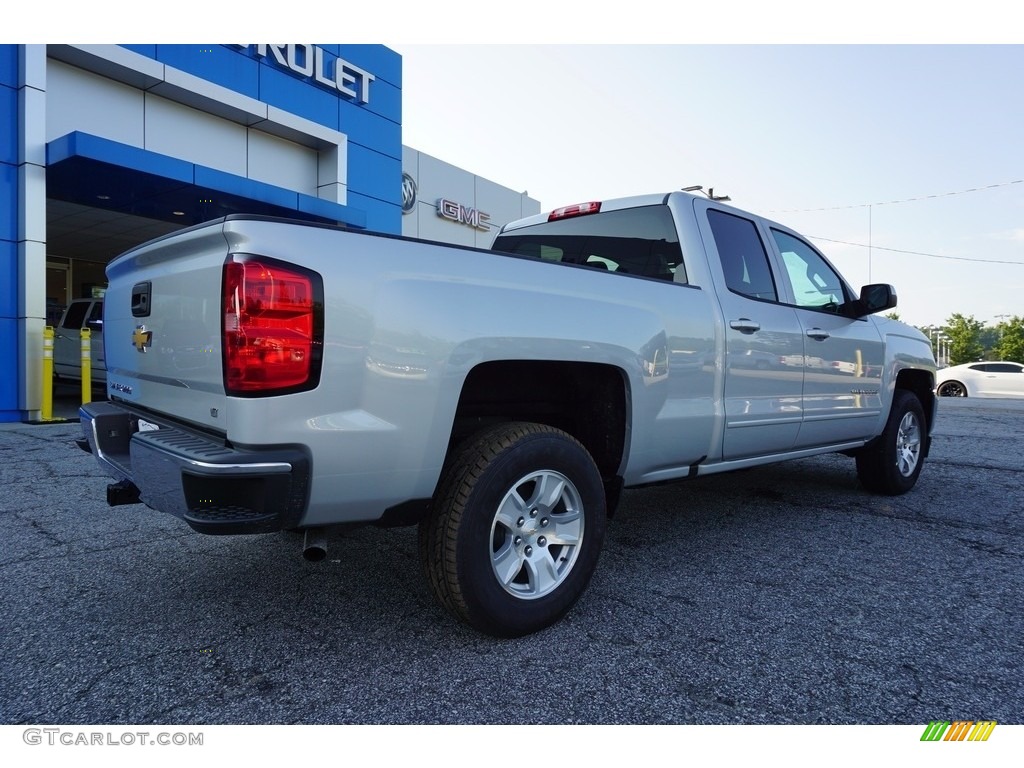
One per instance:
[(489, 517), (891, 463), (951, 389)]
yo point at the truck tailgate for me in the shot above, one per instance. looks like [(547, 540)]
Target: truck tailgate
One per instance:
[(162, 326)]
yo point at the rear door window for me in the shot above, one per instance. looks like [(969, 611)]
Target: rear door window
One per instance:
[(744, 259)]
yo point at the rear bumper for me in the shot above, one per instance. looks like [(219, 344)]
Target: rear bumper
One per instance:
[(214, 487)]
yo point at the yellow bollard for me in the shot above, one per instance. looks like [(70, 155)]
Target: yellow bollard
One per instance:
[(47, 409), (86, 366)]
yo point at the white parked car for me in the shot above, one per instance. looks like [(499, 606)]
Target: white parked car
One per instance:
[(991, 379)]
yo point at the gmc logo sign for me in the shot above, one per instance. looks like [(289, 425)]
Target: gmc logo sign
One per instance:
[(449, 209)]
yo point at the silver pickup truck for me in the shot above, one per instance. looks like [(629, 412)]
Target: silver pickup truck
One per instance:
[(267, 374)]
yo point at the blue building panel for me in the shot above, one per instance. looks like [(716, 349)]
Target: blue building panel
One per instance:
[(386, 101), (375, 175), (325, 209), (284, 90), (8, 125), (370, 130), (383, 63), (8, 280), (380, 216), (373, 129), (9, 384), (145, 50), (77, 144), (8, 202), (210, 178), (9, 65), (224, 65)]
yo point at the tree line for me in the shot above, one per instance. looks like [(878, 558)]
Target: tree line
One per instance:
[(967, 340)]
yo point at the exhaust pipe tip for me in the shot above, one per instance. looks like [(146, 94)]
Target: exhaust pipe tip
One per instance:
[(314, 545)]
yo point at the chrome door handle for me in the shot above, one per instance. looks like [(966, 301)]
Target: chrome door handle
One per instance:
[(744, 325), (817, 334)]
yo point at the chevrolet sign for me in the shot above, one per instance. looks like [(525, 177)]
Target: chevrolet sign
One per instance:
[(326, 70)]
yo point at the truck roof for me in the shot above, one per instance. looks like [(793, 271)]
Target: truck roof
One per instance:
[(615, 204)]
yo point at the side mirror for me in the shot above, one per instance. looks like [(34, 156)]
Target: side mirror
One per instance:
[(876, 297)]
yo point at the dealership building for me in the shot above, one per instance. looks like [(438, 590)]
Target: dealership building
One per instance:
[(103, 147)]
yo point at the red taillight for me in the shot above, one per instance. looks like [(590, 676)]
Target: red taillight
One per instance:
[(580, 209), (271, 333)]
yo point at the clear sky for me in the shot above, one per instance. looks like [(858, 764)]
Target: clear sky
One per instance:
[(851, 145)]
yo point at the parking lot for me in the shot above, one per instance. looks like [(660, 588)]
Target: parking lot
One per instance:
[(780, 595)]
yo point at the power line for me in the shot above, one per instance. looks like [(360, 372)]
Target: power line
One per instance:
[(905, 200), (917, 253)]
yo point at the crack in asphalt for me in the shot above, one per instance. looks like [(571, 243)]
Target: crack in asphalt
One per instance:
[(92, 551), (970, 465)]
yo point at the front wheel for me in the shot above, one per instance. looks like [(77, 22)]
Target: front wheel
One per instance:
[(952, 389), (516, 529), (891, 463)]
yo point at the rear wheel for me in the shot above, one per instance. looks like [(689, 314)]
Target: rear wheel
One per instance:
[(952, 389), (891, 463), (516, 529)]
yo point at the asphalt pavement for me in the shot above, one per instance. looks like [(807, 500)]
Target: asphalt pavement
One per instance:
[(779, 595)]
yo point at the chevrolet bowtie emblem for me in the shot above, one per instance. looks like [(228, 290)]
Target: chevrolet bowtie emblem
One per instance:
[(142, 339)]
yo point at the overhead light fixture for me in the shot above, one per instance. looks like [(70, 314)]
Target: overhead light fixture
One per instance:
[(178, 213), (102, 197)]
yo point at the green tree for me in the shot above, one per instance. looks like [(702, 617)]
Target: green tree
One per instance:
[(990, 342), (964, 339), (1011, 340)]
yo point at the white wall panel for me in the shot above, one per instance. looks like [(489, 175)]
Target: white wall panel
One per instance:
[(77, 100), (32, 111), (437, 179), (282, 163), (411, 222), (411, 166), (186, 133), (500, 204), (32, 203)]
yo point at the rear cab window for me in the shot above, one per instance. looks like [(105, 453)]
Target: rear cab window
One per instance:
[(641, 242)]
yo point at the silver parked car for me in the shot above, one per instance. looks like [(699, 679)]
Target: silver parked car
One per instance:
[(989, 379)]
